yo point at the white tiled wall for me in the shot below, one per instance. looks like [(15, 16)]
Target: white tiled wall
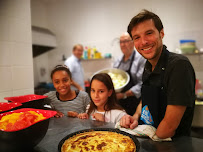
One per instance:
[(16, 63), (94, 65), (98, 23), (197, 62)]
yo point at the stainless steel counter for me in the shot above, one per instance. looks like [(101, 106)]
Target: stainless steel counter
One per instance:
[(60, 127)]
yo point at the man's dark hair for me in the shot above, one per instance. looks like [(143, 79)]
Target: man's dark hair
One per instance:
[(143, 16)]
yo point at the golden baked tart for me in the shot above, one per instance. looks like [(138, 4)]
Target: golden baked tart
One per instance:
[(99, 141)]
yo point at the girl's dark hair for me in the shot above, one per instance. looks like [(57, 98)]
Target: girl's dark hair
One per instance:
[(143, 16), (112, 102), (61, 68)]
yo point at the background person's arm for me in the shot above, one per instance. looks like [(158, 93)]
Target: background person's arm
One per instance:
[(171, 121), (77, 85)]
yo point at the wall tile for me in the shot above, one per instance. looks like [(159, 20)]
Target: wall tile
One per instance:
[(92, 66), (5, 53), (23, 92), (15, 9), (4, 29), (22, 77), (5, 94), (5, 79), (20, 30), (21, 54), (196, 61)]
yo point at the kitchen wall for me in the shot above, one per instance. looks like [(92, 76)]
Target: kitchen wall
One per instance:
[(99, 23), (16, 63)]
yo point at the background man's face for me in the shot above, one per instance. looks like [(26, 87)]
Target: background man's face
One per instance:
[(78, 52), (126, 44)]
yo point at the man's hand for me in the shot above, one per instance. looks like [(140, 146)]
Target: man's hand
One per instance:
[(98, 116), (128, 121), (83, 116), (119, 95), (58, 114), (128, 93)]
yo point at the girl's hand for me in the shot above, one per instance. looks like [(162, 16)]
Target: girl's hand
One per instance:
[(58, 114), (72, 114), (98, 116), (83, 116)]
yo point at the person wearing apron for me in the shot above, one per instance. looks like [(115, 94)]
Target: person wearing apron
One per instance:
[(129, 97), (168, 90)]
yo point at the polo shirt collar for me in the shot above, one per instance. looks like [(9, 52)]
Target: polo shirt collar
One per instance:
[(76, 58), (158, 67)]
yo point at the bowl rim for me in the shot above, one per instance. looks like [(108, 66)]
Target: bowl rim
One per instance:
[(116, 89)]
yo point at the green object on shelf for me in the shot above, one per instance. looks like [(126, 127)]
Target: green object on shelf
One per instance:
[(188, 49)]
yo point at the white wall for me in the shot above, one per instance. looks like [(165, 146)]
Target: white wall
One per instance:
[(16, 65), (99, 22)]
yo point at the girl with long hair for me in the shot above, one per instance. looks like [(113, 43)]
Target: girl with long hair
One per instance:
[(103, 105)]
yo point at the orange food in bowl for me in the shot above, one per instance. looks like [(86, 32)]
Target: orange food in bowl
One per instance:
[(17, 121)]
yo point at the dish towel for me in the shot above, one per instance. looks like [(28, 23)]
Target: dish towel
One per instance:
[(143, 131)]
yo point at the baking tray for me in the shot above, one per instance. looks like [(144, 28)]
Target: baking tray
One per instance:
[(25, 98), (100, 129), (46, 113), (6, 106)]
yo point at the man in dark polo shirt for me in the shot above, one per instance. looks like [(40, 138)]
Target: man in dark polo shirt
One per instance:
[(168, 90)]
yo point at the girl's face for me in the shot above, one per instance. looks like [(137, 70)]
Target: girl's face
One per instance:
[(99, 94), (62, 82)]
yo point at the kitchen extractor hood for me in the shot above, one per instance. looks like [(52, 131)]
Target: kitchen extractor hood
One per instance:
[(43, 40)]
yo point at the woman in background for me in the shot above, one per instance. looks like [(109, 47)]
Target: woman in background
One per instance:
[(64, 100), (103, 105)]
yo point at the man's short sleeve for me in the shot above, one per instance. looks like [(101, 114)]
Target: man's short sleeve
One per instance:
[(181, 84)]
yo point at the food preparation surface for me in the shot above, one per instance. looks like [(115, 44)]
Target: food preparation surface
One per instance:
[(61, 127)]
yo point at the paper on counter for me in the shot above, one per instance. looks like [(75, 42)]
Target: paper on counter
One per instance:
[(142, 131)]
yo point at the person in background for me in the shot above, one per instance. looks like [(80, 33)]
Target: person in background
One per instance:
[(64, 100), (73, 63), (133, 63), (103, 105), (168, 90)]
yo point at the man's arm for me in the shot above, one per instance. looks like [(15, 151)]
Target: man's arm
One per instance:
[(137, 114), (171, 121)]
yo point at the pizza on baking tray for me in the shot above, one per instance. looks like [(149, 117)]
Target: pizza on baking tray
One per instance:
[(97, 141)]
